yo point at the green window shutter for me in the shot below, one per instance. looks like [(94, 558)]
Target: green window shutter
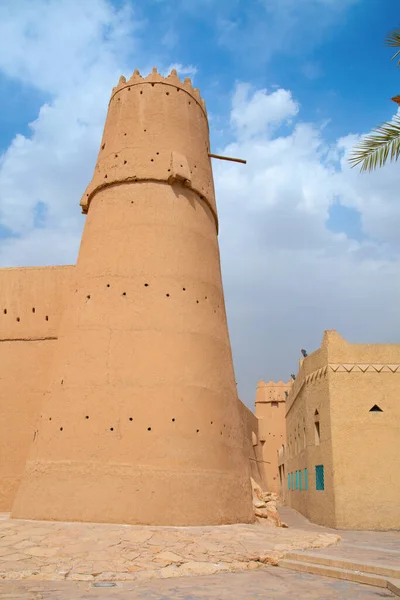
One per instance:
[(288, 481), (306, 479), (319, 477), (300, 480)]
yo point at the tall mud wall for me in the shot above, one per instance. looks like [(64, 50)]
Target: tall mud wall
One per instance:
[(31, 304)]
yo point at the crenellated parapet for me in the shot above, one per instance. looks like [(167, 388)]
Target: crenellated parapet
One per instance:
[(156, 130), (156, 78), (273, 391)]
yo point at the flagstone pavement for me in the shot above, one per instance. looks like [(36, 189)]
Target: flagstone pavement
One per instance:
[(58, 551)]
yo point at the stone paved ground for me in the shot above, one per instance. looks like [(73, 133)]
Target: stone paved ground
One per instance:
[(381, 547), (270, 583), (96, 552)]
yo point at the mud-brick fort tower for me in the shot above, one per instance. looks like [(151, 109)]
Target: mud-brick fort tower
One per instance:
[(141, 421)]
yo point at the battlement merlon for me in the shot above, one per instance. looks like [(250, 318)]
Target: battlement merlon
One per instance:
[(156, 130)]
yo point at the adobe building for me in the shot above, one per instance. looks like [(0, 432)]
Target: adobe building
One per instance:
[(342, 460), (118, 397), (270, 410)]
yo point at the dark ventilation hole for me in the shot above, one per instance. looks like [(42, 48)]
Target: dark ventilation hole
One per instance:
[(49, 418), (167, 295), (197, 430), (197, 301), (152, 160), (145, 130), (62, 381), (33, 309), (132, 202), (116, 156), (131, 418), (124, 293), (167, 93), (149, 429), (152, 85), (103, 146), (189, 103), (5, 311), (205, 297), (129, 89), (173, 419), (141, 91), (177, 89), (375, 408), (105, 176), (181, 166), (108, 285), (46, 317), (111, 428), (183, 289), (125, 161), (124, 133), (87, 416), (61, 428), (221, 432), (169, 170), (88, 297), (146, 285), (215, 311), (211, 422), (18, 319), (157, 153)]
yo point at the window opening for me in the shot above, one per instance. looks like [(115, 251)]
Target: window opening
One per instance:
[(319, 477)]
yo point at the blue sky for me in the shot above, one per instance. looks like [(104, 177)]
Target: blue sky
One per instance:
[(306, 243)]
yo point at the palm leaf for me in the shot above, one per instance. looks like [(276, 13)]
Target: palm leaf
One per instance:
[(393, 40), (375, 149)]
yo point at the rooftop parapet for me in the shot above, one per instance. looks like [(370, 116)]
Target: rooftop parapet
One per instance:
[(154, 77)]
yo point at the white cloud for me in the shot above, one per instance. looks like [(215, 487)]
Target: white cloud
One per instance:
[(74, 52), (287, 276), (182, 70), (260, 112)]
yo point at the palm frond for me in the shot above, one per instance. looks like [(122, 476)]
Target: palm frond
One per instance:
[(393, 40), (375, 149)]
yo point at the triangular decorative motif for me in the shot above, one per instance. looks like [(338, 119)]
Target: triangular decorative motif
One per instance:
[(386, 369), (341, 369), (378, 368), (349, 367), (363, 367), (334, 367), (375, 408), (393, 368)]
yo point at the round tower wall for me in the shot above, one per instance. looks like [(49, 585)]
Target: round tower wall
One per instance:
[(156, 129), (141, 422)]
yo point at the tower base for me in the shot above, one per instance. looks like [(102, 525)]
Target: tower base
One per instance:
[(106, 493)]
